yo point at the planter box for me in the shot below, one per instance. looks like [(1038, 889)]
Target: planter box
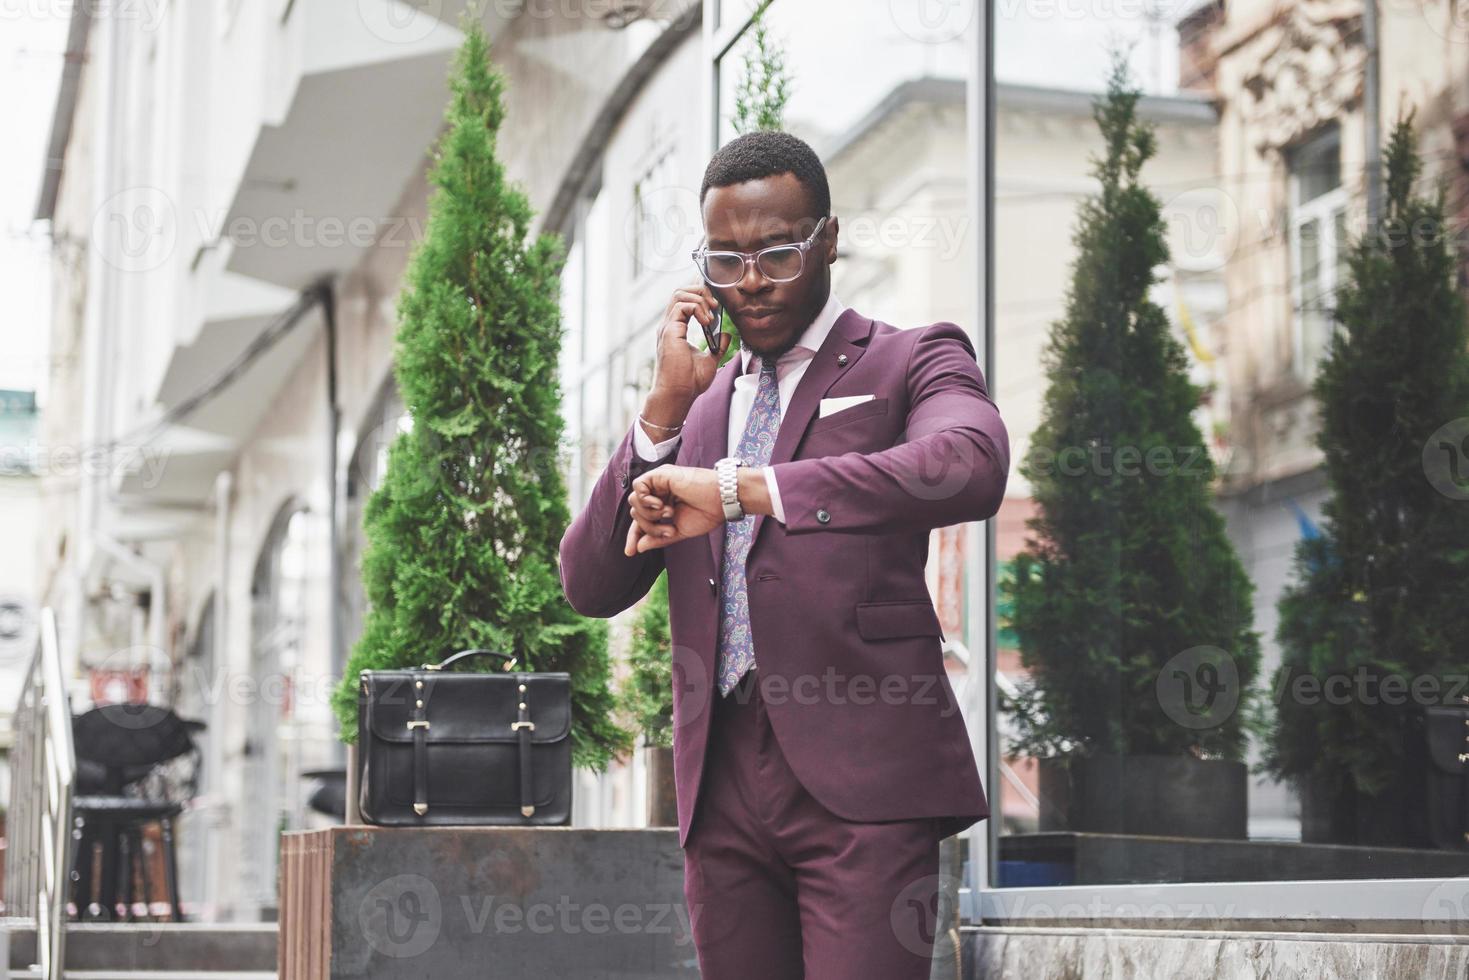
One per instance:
[(400, 902), (562, 902), (1158, 795)]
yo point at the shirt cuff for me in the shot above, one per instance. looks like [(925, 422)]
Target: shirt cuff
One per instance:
[(778, 511), (647, 448)]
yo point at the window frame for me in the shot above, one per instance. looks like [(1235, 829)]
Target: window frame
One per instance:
[(1325, 209)]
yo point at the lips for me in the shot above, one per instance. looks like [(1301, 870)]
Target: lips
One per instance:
[(756, 315)]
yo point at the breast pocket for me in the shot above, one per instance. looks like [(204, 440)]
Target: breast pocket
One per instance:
[(869, 409)]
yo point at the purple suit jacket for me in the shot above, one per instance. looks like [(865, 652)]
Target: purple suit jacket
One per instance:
[(846, 637)]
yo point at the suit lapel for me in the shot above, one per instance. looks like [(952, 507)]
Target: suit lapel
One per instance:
[(848, 336), (843, 345)]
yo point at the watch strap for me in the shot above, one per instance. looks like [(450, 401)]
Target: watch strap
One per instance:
[(727, 472)]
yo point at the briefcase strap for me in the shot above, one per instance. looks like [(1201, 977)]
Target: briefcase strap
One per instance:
[(522, 726), (420, 726)]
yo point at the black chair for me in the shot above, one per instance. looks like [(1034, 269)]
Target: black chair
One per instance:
[(127, 780)]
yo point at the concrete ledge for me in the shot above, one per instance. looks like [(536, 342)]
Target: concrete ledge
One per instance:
[(1023, 953)]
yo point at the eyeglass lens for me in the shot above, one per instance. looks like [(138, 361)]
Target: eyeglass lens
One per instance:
[(728, 268)]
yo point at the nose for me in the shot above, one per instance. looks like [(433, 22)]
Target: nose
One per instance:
[(752, 272)]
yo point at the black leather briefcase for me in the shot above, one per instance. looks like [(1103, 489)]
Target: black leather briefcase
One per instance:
[(438, 747)]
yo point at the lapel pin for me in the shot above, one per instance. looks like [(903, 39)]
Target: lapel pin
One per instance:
[(841, 360)]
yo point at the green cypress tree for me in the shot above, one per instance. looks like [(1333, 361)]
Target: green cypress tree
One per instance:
[(647, 690), (1377, 592), (463, 534), (1128, 565)]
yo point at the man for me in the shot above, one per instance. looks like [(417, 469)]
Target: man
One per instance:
[(819, 755)]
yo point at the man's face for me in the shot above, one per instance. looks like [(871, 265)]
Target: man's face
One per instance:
[(754, 215)]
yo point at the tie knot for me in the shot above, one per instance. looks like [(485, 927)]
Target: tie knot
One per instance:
[(767, 365)]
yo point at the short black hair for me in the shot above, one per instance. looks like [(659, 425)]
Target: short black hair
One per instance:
[(768, 153)]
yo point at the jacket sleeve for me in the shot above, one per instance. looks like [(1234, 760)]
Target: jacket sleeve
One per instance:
[(952, 466), (598, 579)]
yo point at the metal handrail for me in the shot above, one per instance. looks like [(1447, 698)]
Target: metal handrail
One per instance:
[(42, 779)]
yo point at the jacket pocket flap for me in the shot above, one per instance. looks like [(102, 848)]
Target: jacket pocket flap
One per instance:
[(891, 618), (861, 410)]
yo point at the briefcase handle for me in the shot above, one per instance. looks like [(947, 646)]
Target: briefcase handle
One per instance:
[(510, 661)]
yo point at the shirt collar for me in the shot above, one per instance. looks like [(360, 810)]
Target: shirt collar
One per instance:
[(811, 338)]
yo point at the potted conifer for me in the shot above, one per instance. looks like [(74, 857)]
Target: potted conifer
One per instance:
[(1372, 629), (463, 533), (1130, 608)]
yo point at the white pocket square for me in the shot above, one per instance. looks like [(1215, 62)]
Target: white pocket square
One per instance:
[(830, 405)]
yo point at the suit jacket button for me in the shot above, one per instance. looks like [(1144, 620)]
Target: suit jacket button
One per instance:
[(622, 479), (823, 516)]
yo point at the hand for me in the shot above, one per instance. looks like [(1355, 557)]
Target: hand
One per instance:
[(681, 373), (671, 504)]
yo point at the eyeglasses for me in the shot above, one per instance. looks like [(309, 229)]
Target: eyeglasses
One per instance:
[(778, 263)]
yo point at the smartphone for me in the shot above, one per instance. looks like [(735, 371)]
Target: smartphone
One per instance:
[(713, 329)]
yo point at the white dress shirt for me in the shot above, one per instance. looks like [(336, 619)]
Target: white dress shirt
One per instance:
[(788, 370)]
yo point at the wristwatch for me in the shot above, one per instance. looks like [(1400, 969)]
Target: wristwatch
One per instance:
[(728, 487)]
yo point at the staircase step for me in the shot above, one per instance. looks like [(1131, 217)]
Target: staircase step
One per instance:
[(152, 974), (178, 950)]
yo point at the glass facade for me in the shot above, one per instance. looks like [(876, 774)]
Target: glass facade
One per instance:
[(1126, 636), (1203, 669)]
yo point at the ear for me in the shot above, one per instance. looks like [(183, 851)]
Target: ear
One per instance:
[(829, 233)]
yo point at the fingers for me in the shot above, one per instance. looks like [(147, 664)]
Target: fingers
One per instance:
[(638, 541), (650, 516), (690, 301)]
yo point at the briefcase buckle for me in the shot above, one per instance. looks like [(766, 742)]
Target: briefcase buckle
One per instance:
[(417, 724), (517, 726)]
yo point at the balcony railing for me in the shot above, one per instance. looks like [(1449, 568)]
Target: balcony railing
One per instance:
[(42, 777)]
